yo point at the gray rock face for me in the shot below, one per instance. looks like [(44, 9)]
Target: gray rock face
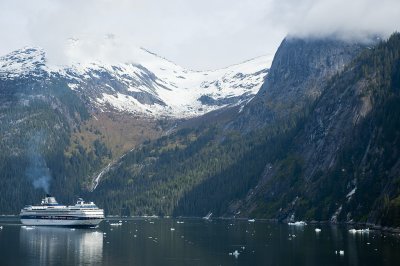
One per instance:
[(298, 75)]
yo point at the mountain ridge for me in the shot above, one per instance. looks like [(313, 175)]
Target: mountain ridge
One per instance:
[(155, 87)]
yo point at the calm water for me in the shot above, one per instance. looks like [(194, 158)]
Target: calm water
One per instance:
[(194, 242)]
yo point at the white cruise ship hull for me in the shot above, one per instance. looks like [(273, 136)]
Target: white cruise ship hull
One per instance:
[(61, 222)]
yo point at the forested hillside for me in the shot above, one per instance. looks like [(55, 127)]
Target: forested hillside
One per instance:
[(38, 118), (333, 157), (343, 164)]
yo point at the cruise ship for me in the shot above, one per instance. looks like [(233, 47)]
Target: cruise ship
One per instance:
[(50, 212)]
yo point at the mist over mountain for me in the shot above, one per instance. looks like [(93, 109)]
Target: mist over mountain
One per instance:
[(199, 36)]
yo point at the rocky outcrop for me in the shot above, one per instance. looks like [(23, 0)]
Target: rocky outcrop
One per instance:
[(299, 73)]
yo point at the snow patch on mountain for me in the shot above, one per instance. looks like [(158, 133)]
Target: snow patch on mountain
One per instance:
[(154, 87)]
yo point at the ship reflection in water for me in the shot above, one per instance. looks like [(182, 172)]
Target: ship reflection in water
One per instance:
[(51, 246)]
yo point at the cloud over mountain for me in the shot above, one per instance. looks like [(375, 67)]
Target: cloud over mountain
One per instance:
[(205, 34)]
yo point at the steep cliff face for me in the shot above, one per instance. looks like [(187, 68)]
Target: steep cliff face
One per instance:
[(343, 161), (298, 75)]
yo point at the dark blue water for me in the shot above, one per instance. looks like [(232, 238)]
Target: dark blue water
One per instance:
[(194, 242)]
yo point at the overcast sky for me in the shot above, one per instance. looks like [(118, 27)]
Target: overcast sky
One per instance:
[(202, 34)]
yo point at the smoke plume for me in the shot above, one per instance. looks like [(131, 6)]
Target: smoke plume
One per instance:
[(37, 170)]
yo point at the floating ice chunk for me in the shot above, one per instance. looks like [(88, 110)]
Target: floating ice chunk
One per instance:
[(359, 231), (251, 220), (317, 230), (298, 223), (353, 231), (340, 252), (208, 216), (116, 224), (28, 227), (235, 254)]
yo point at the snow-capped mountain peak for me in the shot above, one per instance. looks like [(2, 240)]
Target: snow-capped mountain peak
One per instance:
[(22, 62), (152, 86)]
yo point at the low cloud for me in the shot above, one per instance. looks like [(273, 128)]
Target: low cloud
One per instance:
[(196, 34), (348, 20)]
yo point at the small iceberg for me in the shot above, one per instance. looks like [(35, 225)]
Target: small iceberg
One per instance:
[(298, 223), (359, 231), (208, 216), (28, 227), (235, 254), (340, 252)]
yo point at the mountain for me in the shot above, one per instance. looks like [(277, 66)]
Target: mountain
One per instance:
[(299, 73), (318, 142), (60, 125), (342, 163), (154, 87), (205, 168)]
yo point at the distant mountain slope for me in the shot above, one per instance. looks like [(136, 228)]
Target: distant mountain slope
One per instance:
[(153, 87)]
